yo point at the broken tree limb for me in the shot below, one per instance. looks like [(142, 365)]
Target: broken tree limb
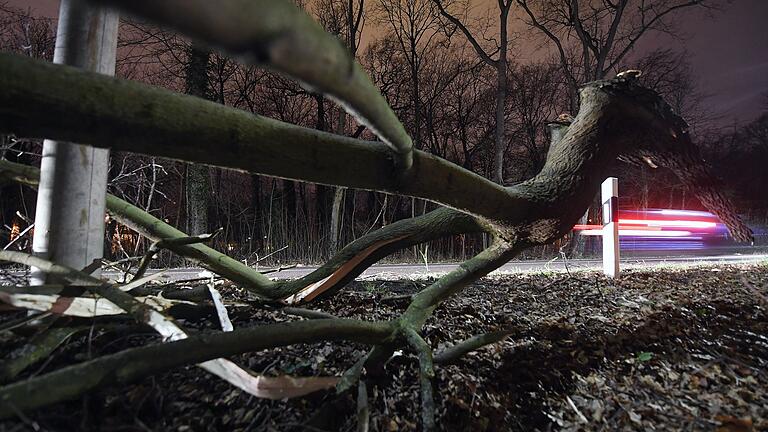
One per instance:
[(132, 364), (424, 303), (357, 256), (143, 119), (617, 118), (281, 36), (307, 313), (213, 260), (480, 265)]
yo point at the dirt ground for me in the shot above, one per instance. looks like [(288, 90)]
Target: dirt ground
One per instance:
[(656, 350)]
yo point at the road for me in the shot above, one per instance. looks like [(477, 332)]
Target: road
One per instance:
[(388, 271)]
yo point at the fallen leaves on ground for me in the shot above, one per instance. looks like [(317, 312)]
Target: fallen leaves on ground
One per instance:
[(655, 350)]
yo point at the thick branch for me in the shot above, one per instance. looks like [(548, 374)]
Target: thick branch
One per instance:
[(132, 364), (471, 270), (134, 117), (278, 34), (616, 118)]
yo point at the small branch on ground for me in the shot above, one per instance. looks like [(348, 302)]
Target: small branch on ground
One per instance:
[(455, 352)]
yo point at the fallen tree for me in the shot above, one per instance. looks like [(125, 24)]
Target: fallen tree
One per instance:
[(617, 120)]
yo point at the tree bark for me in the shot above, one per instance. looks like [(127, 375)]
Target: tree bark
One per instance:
[(143, 119), (69, 218), (336, 211), (282, 36), (197, 182)]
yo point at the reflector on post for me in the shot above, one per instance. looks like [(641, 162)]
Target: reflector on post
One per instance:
[(610, 193)]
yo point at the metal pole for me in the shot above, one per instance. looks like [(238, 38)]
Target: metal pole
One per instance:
[(69, 215), (610, 193)]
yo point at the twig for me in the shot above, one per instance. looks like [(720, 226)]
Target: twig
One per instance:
[(458, 350), (279, 269), (20, 236), (168, 244), (25, 218), (396, 298), (92, 267), (307, 313), (578, 413), (270, 254)]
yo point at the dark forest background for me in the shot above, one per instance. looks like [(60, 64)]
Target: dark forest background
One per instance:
[(438, 84)]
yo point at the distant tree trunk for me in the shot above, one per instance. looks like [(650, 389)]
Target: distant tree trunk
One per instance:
[(69, 219), (501, 93), (501, 96), (338, 197), (257, 234), (336, 210), (198, 179), (321, 192), (289, 200)]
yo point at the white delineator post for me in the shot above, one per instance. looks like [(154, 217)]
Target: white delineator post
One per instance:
[(71, 199), (610, 193)]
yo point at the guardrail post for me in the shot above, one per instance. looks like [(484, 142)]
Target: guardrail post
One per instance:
[(610, 193)]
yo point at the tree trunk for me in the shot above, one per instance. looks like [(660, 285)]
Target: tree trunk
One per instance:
[(336, 209), (198, 177), (338, 198), (257, 236), (500, 144), (69, 219)]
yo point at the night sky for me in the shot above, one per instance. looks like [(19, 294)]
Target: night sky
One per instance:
[(729, 53)]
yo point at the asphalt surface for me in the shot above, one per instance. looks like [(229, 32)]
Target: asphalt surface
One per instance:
[(388, 271)]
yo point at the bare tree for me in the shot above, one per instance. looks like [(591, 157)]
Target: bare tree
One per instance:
[(500, 65), (414, 26), (593, 37)]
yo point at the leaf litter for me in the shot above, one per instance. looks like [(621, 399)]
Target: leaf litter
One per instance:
[(672, 349)]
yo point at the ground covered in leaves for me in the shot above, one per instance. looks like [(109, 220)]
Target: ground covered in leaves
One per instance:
[(672, 349)]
